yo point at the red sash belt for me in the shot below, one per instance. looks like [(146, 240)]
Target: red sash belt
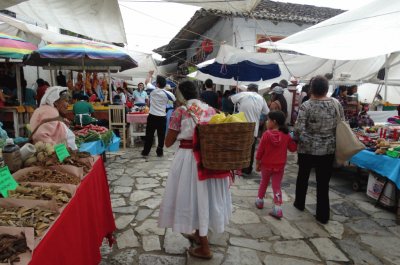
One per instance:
[(186, 144)]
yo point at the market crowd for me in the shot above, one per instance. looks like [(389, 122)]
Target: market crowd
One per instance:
[(198, 200)]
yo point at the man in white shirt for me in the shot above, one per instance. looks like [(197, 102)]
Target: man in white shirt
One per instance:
[(253, 105), (156, 121)]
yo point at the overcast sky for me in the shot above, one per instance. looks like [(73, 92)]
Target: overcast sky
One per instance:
[(151, 24)]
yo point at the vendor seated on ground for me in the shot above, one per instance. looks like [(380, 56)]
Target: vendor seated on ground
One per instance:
[(83, 111), (48, 123)]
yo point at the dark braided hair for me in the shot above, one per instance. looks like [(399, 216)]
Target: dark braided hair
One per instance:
[(280, 118)]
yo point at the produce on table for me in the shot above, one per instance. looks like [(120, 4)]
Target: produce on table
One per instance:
[(42, 151), (75, 159), (11, 246), (50, 175), (35, 217), (32, 192), (91, 133)]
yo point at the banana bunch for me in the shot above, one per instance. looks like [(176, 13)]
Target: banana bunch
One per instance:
[(43, 150)]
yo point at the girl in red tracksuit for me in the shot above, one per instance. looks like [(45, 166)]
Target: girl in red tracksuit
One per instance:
[(271, 159)]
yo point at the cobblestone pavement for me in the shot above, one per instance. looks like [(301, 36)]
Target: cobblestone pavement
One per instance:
[(358, 233)]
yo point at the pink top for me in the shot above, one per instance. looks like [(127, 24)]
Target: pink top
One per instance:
[(53, 132), (272, 150)]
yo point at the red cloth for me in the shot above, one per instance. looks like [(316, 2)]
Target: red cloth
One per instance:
[(205, 173), (272, 150), (76, 236)]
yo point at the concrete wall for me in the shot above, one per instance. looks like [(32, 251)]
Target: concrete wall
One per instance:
[(246, 30), (222, 31)]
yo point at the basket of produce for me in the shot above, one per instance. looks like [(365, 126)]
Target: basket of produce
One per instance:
[(226, 146)]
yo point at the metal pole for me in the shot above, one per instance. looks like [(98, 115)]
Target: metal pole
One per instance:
[(109, 85), (51, 78), (19, 88), (386, 74)]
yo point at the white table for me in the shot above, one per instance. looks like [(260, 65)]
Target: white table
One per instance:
[(134, 121)]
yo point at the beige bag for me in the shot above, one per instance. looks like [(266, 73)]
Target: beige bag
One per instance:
[(347, 143)]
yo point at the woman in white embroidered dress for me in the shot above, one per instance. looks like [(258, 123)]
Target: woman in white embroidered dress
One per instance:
[(188, 203)]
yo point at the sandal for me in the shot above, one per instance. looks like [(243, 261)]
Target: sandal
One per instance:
[(194, 252), (193, 238)]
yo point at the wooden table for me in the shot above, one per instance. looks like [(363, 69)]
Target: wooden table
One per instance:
[(17, 117)]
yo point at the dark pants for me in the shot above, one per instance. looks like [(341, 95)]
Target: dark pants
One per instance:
[(249, 169), (323, 172), (154, 123)]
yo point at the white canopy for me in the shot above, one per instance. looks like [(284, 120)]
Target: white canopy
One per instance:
[(98, 19), (223, 5), (31, 33), (7, 3), (366, 32), (145, 62)]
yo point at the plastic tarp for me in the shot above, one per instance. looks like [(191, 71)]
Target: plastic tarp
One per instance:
[(145, 62), (31, 33), (98, 19), (369, 31), (229, 6)]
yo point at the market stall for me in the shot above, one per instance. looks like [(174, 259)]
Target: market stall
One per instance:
[(77, 234), (63, 196), (382, 159)]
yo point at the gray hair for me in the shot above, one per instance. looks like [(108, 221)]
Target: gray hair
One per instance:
[(252, 87)]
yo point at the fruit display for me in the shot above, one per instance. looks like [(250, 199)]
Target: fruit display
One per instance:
[(140, 110), (32, 192), (38, 218), (11, 246), (222, 118), (91, 133), (49, 175)]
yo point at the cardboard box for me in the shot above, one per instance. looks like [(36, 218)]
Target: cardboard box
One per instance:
[(375, 186)]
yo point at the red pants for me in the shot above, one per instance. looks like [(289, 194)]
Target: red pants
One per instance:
[(276, 175)]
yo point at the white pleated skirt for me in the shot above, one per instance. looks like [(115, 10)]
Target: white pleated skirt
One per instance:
[(190, 204)]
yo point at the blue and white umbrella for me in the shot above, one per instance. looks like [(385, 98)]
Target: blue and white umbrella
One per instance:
[(234, 66)]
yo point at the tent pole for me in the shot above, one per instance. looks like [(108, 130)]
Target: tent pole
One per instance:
[(51, 78), (109, 85), (19, 88), (386, 75)]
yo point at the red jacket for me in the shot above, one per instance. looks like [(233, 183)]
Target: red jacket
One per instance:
[(272, 150)]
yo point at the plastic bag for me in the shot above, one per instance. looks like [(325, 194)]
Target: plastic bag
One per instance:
[(3, 133)]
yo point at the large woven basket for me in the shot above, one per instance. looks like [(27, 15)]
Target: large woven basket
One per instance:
[(226, 146)]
